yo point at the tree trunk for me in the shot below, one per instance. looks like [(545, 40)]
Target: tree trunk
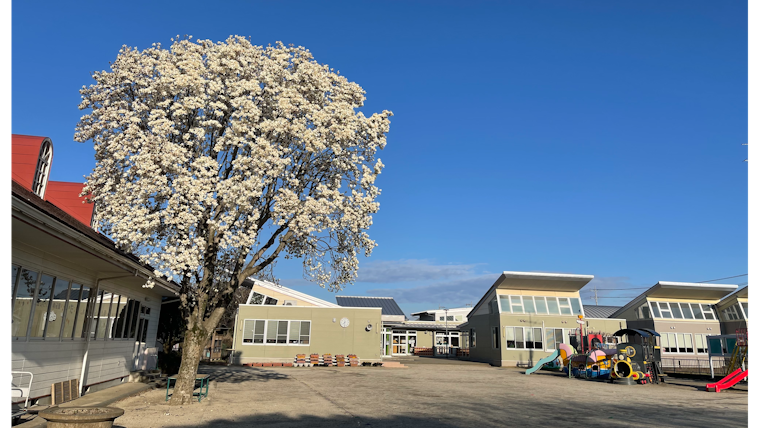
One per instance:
[(192, 347)]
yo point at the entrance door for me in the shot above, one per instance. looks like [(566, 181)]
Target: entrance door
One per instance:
[(140, 360), (399, 344)]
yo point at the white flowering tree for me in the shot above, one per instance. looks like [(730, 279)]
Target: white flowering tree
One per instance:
[(214, 159)]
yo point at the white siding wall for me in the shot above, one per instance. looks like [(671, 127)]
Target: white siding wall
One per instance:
[(58, 360)]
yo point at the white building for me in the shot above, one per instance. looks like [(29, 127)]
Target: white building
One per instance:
[(79, 307)]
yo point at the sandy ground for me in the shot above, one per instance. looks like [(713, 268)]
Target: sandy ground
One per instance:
[(433, 394)]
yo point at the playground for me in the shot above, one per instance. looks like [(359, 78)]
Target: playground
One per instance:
[(434, 393)]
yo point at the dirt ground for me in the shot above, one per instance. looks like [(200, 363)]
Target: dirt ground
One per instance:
[(433, 394)]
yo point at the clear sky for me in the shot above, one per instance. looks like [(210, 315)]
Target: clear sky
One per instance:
[(599, 138)]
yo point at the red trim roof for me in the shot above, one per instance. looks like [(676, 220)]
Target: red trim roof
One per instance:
[(64, 195), (25, 152)]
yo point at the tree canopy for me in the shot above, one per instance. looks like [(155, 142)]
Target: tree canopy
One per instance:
[(214, 159)]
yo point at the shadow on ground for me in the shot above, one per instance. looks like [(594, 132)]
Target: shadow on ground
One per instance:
[(234, 374), (277, 420)]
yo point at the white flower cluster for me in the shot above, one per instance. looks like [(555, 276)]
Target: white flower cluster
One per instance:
[(213, 159)]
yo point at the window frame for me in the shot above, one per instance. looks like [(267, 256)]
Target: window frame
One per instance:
[(277, 334), (570, 308)]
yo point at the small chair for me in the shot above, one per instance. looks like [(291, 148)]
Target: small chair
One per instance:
[(19, 391)]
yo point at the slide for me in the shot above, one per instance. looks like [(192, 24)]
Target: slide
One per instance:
[(543, 361), (728, 381)]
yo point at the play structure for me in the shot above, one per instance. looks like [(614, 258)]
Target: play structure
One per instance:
[(735, 365), (635, 361)]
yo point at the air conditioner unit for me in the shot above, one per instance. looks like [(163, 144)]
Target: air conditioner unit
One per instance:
[(290, 303)]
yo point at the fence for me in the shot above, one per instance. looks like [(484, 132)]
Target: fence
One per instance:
[(695, 366)]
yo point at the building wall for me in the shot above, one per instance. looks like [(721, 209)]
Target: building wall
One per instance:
[(483, 350), (327, 336), (692, 327), (55, 360)]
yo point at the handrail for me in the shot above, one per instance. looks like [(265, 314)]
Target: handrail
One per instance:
[(29, 387)]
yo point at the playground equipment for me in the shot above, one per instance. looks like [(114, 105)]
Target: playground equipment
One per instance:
[(727, 382), (543, 361), (738, 358), (641, 353)]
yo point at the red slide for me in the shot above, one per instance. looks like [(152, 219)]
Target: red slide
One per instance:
[(728, 381)]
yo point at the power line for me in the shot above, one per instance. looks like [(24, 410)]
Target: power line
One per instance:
[(720, 279)]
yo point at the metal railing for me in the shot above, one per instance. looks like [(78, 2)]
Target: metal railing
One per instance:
[(696, 366)]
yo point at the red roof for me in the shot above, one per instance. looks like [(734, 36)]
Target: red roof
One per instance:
[(64, 195), (25, 151)]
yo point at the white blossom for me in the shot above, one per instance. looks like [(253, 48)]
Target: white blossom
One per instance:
[(213, 159)]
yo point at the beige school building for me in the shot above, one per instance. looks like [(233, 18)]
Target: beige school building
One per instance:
[(524, 317), (277, 323)]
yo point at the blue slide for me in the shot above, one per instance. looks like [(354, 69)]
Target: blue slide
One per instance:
[(543, 361)]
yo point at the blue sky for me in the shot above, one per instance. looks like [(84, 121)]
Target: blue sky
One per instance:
[(599, 138)]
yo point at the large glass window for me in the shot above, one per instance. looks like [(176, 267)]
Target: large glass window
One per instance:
[(685, 343), (282, 332), (707, 312), (665, 310), (676, 309), (553, 307), (700, 343), (528, 305), (504, 301), (686, 310), (22, 307), (541, 305), (42, 304), (57, 312), (85, 303), (14, 277), (745, 307), (696, 309), (516, 304)]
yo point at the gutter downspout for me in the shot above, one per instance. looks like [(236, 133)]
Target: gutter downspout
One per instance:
[(88, 322)]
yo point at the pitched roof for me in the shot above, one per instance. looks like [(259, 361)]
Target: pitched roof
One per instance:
[(593, 311), (388, 305)]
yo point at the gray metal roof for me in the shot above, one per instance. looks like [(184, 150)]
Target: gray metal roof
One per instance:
[(599, 311), (388, 305)]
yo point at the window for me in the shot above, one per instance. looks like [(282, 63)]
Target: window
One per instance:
[(495, 337), (668, 342), (707, 312), (696, 309), (655, 309), (551, 302), (441, 318), (745, 307), (524, 337), (677, 343), (554, 337), (575, 304), (700, 343), (217, 346), (676, 309), (261, 299), (504, 301), (686, 310), (43, 168), (541, 305), (516, 304), (684, 343), (472, 337), (277, 332), (458, 318), (529, 305), (665, 310), (449, 317), (731, 313)]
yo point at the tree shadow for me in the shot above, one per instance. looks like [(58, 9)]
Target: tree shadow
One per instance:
[(237, 374)]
